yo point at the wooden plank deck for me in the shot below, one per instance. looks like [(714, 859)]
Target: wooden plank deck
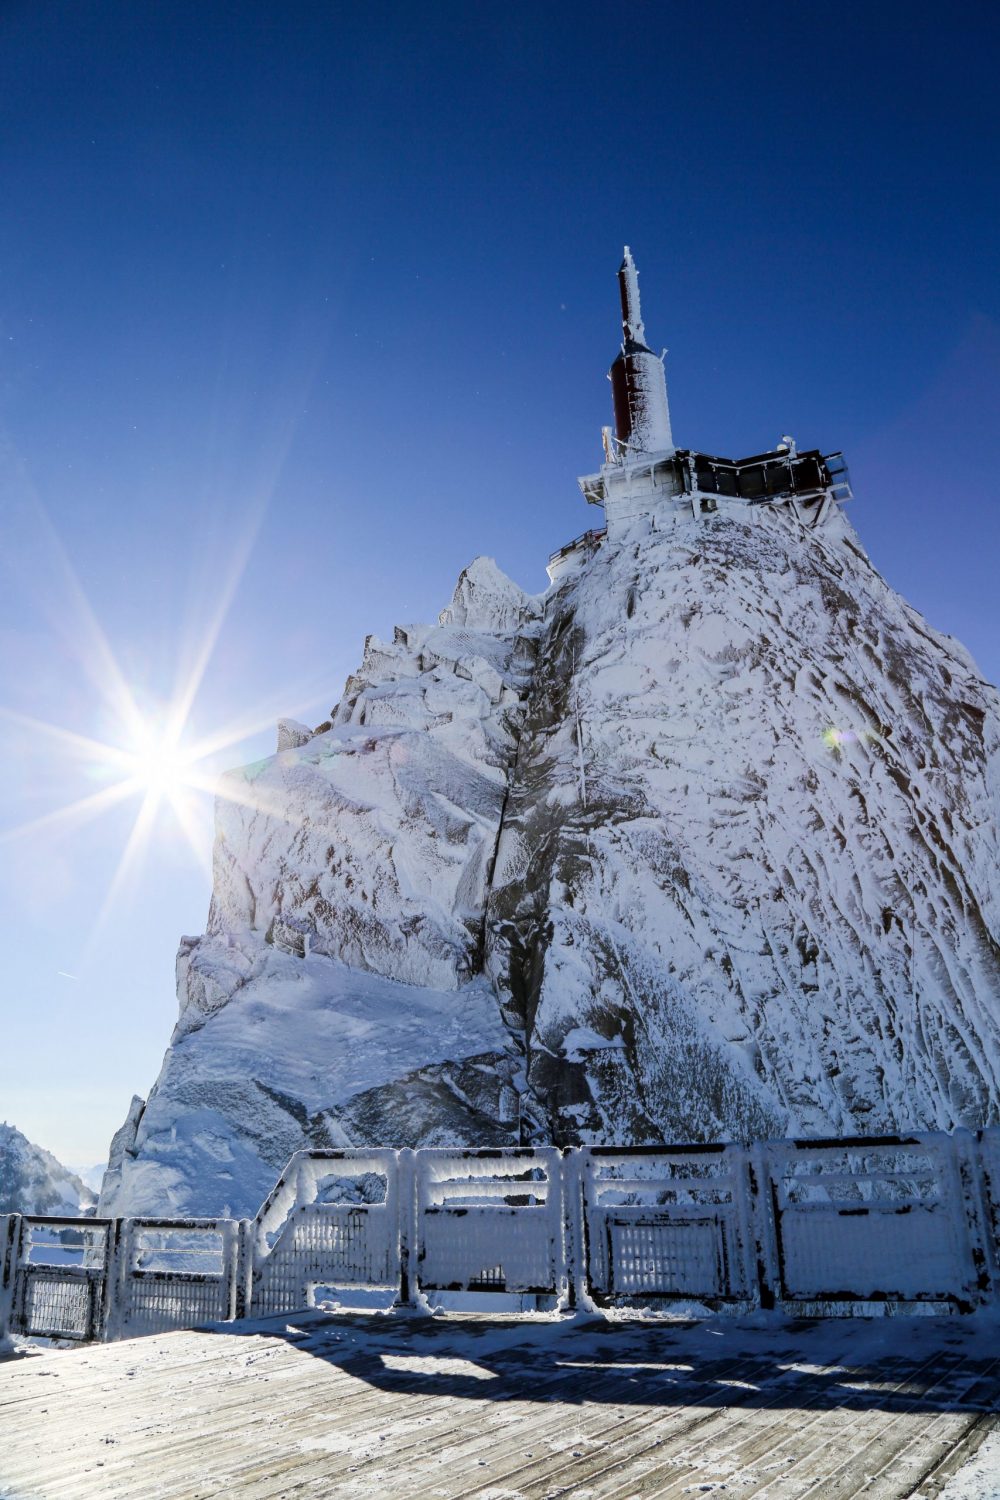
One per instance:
[(506, 1410)]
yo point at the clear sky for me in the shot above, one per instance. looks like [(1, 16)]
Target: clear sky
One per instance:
[(303, 305)]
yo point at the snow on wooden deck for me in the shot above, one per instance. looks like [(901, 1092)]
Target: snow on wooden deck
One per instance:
[(414, 1406)]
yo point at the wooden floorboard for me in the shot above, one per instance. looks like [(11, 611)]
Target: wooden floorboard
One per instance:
[(504, 1410)]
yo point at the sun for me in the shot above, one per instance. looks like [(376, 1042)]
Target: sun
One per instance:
[(147, 756), (159, 765)]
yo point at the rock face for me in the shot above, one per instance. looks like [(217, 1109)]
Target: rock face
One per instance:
[(32, 1181), (751, 847), (701, 843), (338, 997)]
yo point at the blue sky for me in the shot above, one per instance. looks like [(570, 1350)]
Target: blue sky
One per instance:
[(302, 306)]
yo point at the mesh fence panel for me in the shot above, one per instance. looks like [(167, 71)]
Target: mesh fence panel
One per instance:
[(667, 1223), (665, 1256), (325, 1243), (57, 1305), (156, 1304)]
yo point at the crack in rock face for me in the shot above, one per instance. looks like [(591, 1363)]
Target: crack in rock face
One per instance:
[(701, 844)]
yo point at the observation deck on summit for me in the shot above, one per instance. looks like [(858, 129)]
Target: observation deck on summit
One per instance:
[(645, 474)]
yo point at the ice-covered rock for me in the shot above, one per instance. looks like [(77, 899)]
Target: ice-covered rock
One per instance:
[(753, 833), (306, 1051), (292, 734), (335, 998), (702, 844)]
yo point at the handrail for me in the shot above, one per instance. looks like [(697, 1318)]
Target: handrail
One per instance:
[(850, 1224)]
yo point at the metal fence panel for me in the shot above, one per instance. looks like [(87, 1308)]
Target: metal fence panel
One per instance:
[(332, 1219), (664, 1223), (871, 1220), (175, 1274), (490, 1220), (60, 1274)]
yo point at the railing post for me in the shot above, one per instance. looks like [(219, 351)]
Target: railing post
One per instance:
[(242, 1301), (408, 1217), (765, 1230), (230, 1231), (10, 1237), (988, 1165), (743, 1173), (571, 1171), (117, 1254), (970, 1185)]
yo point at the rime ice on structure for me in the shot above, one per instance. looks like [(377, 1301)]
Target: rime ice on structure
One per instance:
[(638, 384), (645, 476)]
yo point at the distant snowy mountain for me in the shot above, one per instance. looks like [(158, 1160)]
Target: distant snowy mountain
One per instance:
[(701, 843), (32, 1181)]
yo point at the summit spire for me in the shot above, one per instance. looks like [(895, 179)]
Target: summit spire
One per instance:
[(638, 384)]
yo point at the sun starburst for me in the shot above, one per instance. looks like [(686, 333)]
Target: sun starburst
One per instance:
[(149, 756)]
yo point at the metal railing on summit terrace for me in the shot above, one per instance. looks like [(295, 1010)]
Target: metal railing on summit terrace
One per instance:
[(820, 1227)]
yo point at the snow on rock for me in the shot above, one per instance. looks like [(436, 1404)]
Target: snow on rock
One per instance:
[(307, 1051), (373, 839), (292, 734), (32, 1181), (486, 599), (701, 845), (334, 998), (753, 832)]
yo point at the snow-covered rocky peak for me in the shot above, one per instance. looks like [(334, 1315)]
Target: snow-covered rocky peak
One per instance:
[(702, 844), (335, 995), (486, 599), (32, 1181)]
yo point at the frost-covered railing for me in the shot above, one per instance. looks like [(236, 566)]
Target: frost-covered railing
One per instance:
[(331, 1220), (884, 1221), (814, 1227), (54, 1275), (665, 1223), (172, 1273), (490, 1220)]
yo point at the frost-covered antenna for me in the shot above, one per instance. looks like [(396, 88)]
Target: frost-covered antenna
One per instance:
[(628, 282), (638, 384)]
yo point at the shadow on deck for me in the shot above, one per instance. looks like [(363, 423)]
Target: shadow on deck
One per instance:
[(933, 1365)]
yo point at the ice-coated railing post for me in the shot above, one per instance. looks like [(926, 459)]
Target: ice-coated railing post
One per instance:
[(988, 1161), (743, 1198), (243, 1276), (764, 1230), (10, 1239), (571, 1174), (966, 1191), (117, 1259), (231, 1242), (562, 1248), (303, 1195), (407, 1200)]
